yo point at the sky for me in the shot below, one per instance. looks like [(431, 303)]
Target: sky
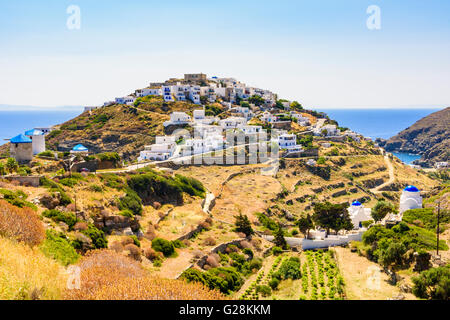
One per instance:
[(318, 52)]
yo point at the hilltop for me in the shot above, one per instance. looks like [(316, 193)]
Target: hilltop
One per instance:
[(429, 137)]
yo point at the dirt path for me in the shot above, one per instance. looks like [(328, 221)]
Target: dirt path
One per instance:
[(391, 176), (173, 267), (364, 280)]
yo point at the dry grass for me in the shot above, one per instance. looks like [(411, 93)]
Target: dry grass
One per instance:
[(26, 273), (21, 224), (107, 275)]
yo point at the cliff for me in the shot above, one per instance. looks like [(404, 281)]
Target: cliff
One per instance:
[(429, 137)]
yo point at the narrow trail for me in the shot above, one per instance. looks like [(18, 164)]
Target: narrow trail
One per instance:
[(391, 176)]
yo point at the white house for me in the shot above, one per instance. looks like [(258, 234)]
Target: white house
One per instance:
[(148, 92), (441, 165), (268, 117), (246, 112), (330, 130), (301, 120), (410, 199), (194, 94), (167, 93), (204, 130), (358, 214), (178, 118), (288, 142), (38, 140), (232, 122), (126, 100), (251, 129), (200, 118), (162, 149)]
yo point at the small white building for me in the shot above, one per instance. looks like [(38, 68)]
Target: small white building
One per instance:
[(410, 199), (441, 165), (178, 118), (38, 140), (167, 93), (268, 117), (148, 92), (301, 120), (251, 129), (288, 142), (162, 149), (204, 130), (359, 214), (128, 100), (232, 122), (330, 130), (311, 162)]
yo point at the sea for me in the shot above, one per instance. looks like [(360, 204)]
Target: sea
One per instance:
[(373, 123), (380, 123), (14, 120)]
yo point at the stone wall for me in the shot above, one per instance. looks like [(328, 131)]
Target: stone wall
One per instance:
[(32, 181)]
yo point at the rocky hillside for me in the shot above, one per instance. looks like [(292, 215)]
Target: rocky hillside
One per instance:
[(117, 128), (429, 137)]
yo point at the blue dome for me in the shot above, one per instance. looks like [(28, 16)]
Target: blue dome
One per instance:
[(20, 139), (411, 189), (356, 203), (80, 147)]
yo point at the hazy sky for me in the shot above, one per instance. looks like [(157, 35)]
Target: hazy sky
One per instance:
[(318, 52)]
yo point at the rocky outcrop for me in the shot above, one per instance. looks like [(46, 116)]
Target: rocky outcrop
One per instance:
[(429, 137)]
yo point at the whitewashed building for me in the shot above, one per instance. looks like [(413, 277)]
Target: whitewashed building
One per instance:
[(128, 100), (268, 117), (232, 122), (38, 140), (148, 92), (162, 149), (178, 118), (359, 214), (410, 199)]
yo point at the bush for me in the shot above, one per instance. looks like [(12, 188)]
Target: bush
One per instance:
[(17, 198), (58, 247), (135, 241), (164, 246), (53, 186), (20, 224), (433, 284), (97, 236), (276, 251), (264, 290), (68, 218), (224, 279), (290, 268), (273, 283), (132, 202), (48, 154)]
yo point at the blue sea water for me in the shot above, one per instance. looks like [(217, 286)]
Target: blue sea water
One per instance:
[(13, 123), (380, 123)]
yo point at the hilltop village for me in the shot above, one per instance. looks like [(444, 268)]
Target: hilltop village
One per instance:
[(215, 190)]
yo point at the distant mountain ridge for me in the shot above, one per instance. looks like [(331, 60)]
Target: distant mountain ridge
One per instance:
[(429, 137)]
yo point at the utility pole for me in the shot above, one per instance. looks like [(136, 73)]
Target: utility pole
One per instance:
[(437, 228)]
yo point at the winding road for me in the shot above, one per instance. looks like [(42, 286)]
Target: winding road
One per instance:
[(391, 180)]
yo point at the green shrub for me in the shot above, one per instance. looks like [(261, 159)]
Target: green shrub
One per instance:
[(53, 186), (273, 283), (164, 246), (135, 240), (433, 284), (178, 244), (68, 218), (290, 268), (48, 154), (126, 213), (427, 217), (264, 290), (267, 222), (58, 247), (17, 198), (276, 251), (97, 236), (132, 202)]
